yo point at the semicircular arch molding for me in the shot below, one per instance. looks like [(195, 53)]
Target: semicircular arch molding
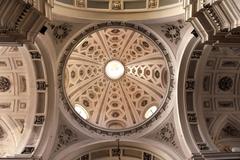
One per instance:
[(128, 149), (193, 125), (45, 54)]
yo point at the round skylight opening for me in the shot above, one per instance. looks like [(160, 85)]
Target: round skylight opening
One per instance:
[(81, 111), (114, 69), (150, 111)]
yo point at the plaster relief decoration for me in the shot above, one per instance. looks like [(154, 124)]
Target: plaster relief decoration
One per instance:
[(166, 134), (115, 77), (4, 84), (173, 31), (225, 83), (116, 5), (152, 4), (61, 31), (15, 98), (65, 137), (80, 3)]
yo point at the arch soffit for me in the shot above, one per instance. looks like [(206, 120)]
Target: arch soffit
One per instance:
[(78, 149), (46, 47)]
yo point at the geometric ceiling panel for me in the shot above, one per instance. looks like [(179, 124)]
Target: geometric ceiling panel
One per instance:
[(116, 78), (16, 99), (221, 95), (216, 96)]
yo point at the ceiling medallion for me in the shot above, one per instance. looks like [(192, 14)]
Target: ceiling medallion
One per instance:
[(115, 79)]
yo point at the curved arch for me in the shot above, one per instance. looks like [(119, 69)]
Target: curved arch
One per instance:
[(181, 95), (218, 124), (185, 48), (81, 148), (197, 97), (187, 37), (47, 49), (195, 135)]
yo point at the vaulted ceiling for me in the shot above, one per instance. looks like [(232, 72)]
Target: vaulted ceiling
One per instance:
[(90, 88)]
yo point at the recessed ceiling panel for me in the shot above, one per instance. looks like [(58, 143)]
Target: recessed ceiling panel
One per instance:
[(117, 75)]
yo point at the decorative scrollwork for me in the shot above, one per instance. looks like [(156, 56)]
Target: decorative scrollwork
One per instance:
[(173, 32), (116, 5), (166, 134), (65, 137), (61, 31)]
